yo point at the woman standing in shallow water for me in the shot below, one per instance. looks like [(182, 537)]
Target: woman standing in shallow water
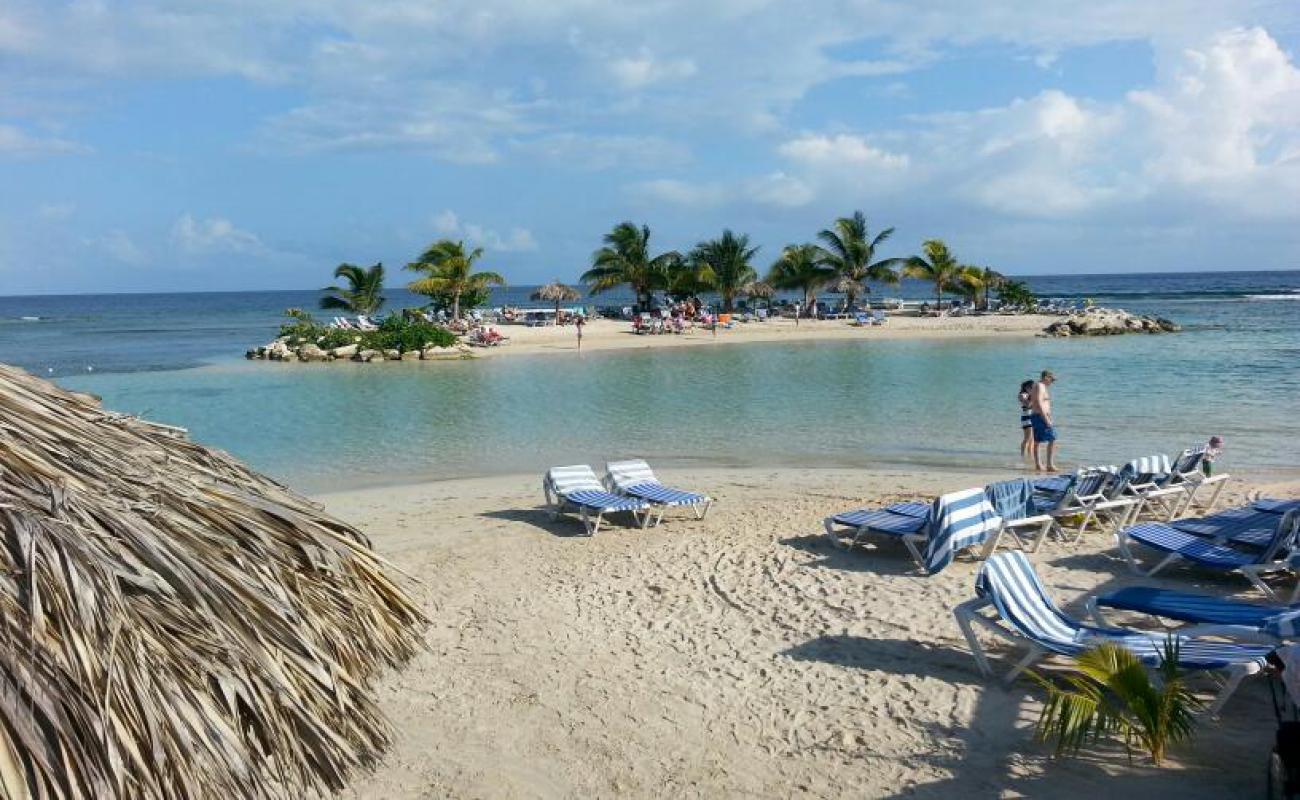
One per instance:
[(1026, 424)]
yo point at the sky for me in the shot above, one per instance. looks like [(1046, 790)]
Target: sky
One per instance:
[(178, 145)]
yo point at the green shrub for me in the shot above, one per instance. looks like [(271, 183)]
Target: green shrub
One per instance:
[(397, 332)]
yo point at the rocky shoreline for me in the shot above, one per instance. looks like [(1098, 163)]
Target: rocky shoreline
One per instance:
[(1108, 322), (282, 350)]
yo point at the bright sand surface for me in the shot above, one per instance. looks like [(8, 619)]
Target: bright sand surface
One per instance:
[(739, 656), (605, 334)]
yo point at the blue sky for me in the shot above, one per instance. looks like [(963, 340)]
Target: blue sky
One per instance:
[(222, 144)]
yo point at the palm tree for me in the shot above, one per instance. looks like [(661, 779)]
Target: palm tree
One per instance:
[(937, 266), (626, 259), (970, 283), (1110, 691), (993, 281), (687, 279), (449, 271), (724, 264), (800, 267), (1017, 293), (362, 295), (848, 249)]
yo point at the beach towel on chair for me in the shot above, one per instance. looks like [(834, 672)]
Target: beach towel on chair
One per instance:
[(958, 520), (1013, 499)]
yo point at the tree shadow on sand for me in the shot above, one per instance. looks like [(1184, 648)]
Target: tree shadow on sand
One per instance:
[(997, 755)]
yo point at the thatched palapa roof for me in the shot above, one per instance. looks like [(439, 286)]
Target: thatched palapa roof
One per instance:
[(173, 624), (556, 292)]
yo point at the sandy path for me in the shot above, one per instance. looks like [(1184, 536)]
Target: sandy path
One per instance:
[(739, 656)]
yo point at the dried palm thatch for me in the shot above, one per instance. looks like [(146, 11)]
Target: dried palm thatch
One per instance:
[(173, 624)]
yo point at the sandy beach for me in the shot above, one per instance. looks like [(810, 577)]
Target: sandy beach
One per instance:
[(738, 656), (606, 334)]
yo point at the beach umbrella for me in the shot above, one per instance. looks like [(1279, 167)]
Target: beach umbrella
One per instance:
[(175, 624), (758, 289), (557, 292)]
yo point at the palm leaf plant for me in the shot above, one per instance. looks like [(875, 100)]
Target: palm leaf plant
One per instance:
[(970, 283), (725, 261), (849, 250), (800, 269), (448, 269), (1017, 293), (937, 266), (625, 260), (361, 295), (1109, 691)]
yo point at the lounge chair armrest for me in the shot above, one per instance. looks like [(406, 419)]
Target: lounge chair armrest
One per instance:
[(1026, 522)]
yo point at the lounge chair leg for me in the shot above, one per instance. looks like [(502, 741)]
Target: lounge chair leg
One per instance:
[(918, 556), (1032, 655), (1235, 675), (1092, 610), (829, 525), (963, 614)]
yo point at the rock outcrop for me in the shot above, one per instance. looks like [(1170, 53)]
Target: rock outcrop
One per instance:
[(1108, 322)]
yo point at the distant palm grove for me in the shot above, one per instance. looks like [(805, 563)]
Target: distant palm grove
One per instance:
[(844, 259)]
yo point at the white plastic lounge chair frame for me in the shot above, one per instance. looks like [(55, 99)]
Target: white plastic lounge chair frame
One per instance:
[(1172, 496), (1091, 506), (1275, 559), (969, 613), (1022, 530), (625, 477), (560, 482)]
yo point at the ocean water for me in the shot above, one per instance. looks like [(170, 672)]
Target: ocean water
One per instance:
[(178, 359)]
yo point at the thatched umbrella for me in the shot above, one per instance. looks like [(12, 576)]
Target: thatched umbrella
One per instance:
[(558, 292), (758, 289), (173, 624)]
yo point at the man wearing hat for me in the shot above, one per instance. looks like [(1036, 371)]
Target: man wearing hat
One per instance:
[(1040, 417)]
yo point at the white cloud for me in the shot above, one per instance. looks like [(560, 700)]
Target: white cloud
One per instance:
[(841, 151), (14, 141), (213, 235), (449, 224), (120, 247), (780, 190), (645, 69)]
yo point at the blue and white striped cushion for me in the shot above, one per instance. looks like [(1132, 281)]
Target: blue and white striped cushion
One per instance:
[(623, 474), (570, 479), (1285, 625), (1150, 468), (911, 509), (1277, 506), (1160, 536), (1189, 607), (663, 495), (883, 520), (1237, 525), (601, 500), (1008, 580), (959, 520)]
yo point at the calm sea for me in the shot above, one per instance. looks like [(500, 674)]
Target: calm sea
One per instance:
[(177, 358)]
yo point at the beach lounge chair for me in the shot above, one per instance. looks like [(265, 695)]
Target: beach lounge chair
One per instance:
[(1093, 494), (576, 488), (1205, 615), (1008, 584), (879, 318), (861, 319), (933, 534), (634, 478), (1167, 489), (761, 314), (1251, 562)]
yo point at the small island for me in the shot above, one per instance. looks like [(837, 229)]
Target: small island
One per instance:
[(668, 288)]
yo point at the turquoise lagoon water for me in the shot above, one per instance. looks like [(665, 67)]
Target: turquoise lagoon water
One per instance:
[(831, 404)]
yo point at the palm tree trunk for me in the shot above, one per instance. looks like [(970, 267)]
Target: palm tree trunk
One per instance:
[(455, 306)]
